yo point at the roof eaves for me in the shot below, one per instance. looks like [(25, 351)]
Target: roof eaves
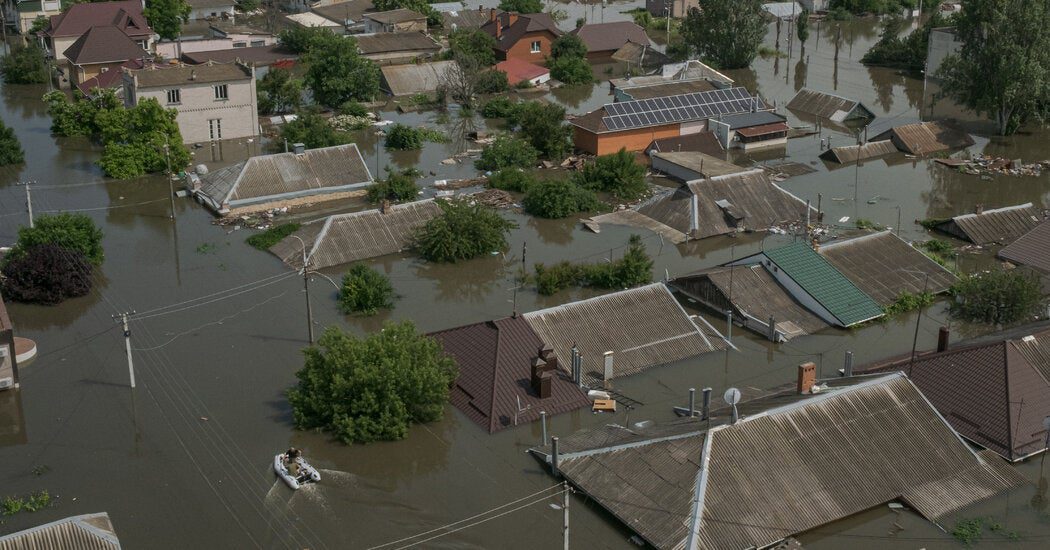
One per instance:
[(1011, 425), (237, 182), (495, 383), (994, 210), (696, 519)]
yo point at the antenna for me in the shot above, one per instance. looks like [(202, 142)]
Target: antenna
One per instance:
[(732, 397)]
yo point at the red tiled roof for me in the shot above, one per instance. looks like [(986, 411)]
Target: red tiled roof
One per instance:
[(109, 79), (523, 24), (126, 16), (518, 70), (763, 130), (609, 37), (495, 361), (103, 45)]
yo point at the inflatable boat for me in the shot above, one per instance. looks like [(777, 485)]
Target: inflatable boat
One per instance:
[(307, 473)]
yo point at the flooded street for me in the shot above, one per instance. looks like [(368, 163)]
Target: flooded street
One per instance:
[(184, 460)]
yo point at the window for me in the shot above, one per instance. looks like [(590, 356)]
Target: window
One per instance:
[(215, 128), (240, 44), (535, 46), (174, 97), (256, 43), (221, 92)]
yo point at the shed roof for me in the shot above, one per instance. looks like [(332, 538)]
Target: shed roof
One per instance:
[(495, 366), (402, 80), (523, 24), (999, 225), (994, 394), (826, 284), (390, 42), (464, 18), (518, 70), (854, 153), (284, 175), (699, 163), (643, 55), (667, 88), (104, 44), (884, 266), (347, 238), (78, 18), (609, 37), (353, 10), (83, 532), (832, 107), (701, 142), (923, 138), (310, 19), (1031, 249), (644, 327), (160, 76), (392, 17), (751, 120), (753, 483), (255, 55)]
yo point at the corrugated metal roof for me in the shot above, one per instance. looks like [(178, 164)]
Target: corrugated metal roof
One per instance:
[(783, 10), (84, 532), (644, 327), (884, 266), (832, 107), (310, 19), (748, 120), (853, 153), (391, 42), (701, 164), (495, 366), (827, 285), (667, 88), (1000, 225), (284, 175), (347, 238), (390, 17), (923, 138), (1031, 249), (402, 80)]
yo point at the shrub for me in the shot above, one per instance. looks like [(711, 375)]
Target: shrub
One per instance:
[(543, 125), (278, 92), (464, 230), (372, 389), (511, 179), (272, 236), (24, 65), (907, 301), (311, 129), (521, 6), (365, 291), (997, 297), (398, 186), (76, 232), (617, 174), (46, 274), (571, 70), (10, 149), (403, 138), (353, 108), (569, 45), (473, 43), (507, 152), (501, 107), (634, 268), (491, 81), (558, 198)]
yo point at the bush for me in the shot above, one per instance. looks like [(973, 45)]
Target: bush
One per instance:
[(302, 39), (353, 108), (403, 138), (75, 232), (272, 236), (10, 149), (501, 107), (365, 291), (634, 268), (473, 43), (543, 125), (312, 130), (507, 152), (511, 179), (617, 174), (997, 297), (46, 274), (558, 198), (522, 6), (463, 231), (571, 70), (908, 52), (491, 81), (398, 186), (24, 65), (372, 389), (570, 45), (907, 301)]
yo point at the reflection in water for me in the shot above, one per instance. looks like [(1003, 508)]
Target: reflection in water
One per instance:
[(574, 96), (800, 73), (12, 421), (470, 281), (559, 232)]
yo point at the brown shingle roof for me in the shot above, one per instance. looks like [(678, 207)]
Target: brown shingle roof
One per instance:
[(389, 42), (107, 80), (495, 362), (159, 76), (257, 55), (923, 138), (103, 45), (126, 16), (1031, 249), (523, 24), (1000, 225), (609, 37)]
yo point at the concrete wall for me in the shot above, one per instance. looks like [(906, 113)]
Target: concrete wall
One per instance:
[(25, 19), (196, 14), (238, 116), (676, 171), (80, 73), (942, 44)]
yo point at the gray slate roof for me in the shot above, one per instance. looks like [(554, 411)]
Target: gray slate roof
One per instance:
[(1031, 249), (832, 107), (84, 532), (999, 225), (853, 153), (749, 120)]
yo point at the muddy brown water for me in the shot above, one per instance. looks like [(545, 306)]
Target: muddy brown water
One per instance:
[(184, 460)]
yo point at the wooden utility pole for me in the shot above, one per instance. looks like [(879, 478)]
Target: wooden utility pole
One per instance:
[(171, 185), (565, 509)]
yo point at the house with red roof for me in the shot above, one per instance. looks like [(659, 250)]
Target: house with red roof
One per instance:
[(527, 37), (519, 71)]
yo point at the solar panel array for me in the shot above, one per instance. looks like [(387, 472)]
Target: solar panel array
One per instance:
[(679, 108)]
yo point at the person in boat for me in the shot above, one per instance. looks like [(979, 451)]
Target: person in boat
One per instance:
[(291, 462)]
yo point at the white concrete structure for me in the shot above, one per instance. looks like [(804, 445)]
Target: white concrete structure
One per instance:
[(943, 42), (210, 9)]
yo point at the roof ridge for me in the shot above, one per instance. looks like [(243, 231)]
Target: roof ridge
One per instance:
[(1010, 424), (495, 377), (994, 210), (591, 299)]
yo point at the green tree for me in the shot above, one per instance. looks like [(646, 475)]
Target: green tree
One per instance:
[(311, 129), (365, 291), (336, 73), (543, 125), (10, 149), (272, 236), (40, 23), (278, 92), (46, 274), (75, 232), (569, 45), (511, 179), (491, 81), (997, 297), (397, 187), (24, 65), (303, 39), (403, 138), (802, 28), (166, 17), (568, 60), (247, 5), (633, 269), (1003, 67), (464, 230), (726, 33), (473, 43), (522, 6), (558, 198), (617, 174), (506, 152), (372, 389), (501, 107)]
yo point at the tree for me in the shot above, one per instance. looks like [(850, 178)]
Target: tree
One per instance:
[(997, 297), (802, 28), (558, 198), (24, 65), (506, 152), (312, 130), (543, 125), (464, 230), (908, 52), (511, 179), (633, 269), (75, 232), (402, 138), (372, 389), (617, 174), (1003, 67), (726, 33), (336, 73), (278, 92), (365, 291), (522, 6), (398, 186), (303, 39), (166, 17), (569, 45), (473, 43), (568, 60), (247, 5), (10, 149), (491, 81), (46, 274)]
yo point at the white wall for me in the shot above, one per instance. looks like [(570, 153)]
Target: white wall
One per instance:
[(170, 50), (239, 115), (197, 14)]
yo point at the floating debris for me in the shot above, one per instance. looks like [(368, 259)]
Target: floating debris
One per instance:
[(494, 198), (985, 166)]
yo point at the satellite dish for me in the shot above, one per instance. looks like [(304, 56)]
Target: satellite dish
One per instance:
[(732, 396)]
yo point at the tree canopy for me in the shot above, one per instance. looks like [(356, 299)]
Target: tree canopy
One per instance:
[(166, 17), (997, 297), (46, 274), (24, 65), (543, 125), (558, 198), (373, 388), (506, 152), (464, 230), (1003, 67), (311, 129), (365, 291), (474, 43), (10, 149), (336, 73), (522, 6), (70, 231), (279, 92), (617, 174), (726, 33), (398, 186), (568, 61)]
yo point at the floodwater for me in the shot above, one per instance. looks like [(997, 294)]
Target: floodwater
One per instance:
[(184, 459)]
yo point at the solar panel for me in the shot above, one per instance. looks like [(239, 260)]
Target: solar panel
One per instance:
[(685, 107)]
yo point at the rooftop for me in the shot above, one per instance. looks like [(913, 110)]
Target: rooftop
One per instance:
[(311, 19), (999, 225), (664, 89), (1031, 249), (389, 42), (854, 153), (629, 115), (352, 10), (701, 142), (401, 80), (699, 163), (828, 106), (83, 532), (256, 55), (125, 15), (211, 3), (106, 44), (518, 70), (923, 138), (392, 17), (609, 37), (161, 76), (464, 18), (752, 120), (522, 24), (108, 80)]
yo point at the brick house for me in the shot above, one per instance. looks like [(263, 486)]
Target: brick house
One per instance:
[(98, 51), (527, 37), (604, 39)]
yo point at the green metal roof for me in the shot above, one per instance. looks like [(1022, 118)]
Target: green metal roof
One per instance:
[(827, 285)]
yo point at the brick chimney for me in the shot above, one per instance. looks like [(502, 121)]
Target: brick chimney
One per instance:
[(499, 26), (540, 381), (943, 334), (511, 18), (492, 13), (807, 377)]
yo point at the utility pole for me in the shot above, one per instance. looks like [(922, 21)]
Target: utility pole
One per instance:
[(915, 339), (123, 317), (565, 509), (29, 201), (306, 286), (171, 185)]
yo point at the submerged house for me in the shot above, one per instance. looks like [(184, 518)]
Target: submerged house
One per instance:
[(857, 153), (812, 105), (421, 78), (1031, 249), (266, 181), (83, 532), (750, 131), (795, 460), (392, 48), (998, 225), (604, 39), (923, 138)]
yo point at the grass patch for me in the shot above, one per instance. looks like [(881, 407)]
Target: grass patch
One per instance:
[(862, 223), (969, 531), (27, 503), (273, 235), (907, 301)]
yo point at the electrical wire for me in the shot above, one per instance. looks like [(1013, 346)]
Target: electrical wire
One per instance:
[(212, 295)]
